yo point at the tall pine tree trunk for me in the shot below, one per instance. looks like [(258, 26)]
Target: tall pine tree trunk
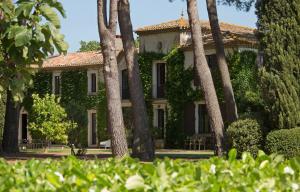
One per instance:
[(206, 81), (230, 105), (11, 125), (107, 33), (143, 147)]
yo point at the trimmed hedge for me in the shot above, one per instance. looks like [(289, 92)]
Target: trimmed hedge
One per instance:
[(245, 135), (265, 173), (284, 141)]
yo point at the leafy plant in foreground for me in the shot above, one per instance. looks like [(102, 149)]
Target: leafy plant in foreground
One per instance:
[(265, 173)]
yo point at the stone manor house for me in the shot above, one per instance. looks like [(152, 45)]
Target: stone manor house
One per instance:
[(160, 38)]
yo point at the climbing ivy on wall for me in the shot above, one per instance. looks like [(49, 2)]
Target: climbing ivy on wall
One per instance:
[(244, 75), (145, 61), (179, 93), (75, 100)]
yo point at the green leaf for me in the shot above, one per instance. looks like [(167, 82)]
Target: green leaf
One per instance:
[(57, 5), (25, 8), (25, 52), (232, 155), (135, 182), (23, 37), (50, 15)]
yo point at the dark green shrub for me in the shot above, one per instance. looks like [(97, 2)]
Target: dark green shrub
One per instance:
[(285, 142), (245, 135)]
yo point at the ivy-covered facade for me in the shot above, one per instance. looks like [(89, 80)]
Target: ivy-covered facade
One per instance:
[(172, 91)]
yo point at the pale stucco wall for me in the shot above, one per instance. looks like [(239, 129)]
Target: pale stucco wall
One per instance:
[(149, 43)]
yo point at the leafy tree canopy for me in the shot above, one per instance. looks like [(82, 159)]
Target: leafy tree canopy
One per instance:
[(89, 46), (239, 4), (29, 33)]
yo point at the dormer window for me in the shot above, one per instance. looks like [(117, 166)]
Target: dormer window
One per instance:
[(92, 82), (56, 83)]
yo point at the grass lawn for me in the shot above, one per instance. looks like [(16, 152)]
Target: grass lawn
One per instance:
[(59, 152)]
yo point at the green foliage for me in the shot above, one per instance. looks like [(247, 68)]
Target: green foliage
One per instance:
[(89, 46), (29, 33), (178, 93), (146, 61), (239, 4), (265, 173), (48, 120), (285, 142), (278, 34), (244, 78), (2, 115), (77, 102), (245, 135)]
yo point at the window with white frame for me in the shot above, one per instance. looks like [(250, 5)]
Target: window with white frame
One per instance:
[(56, 83), (92, 82)]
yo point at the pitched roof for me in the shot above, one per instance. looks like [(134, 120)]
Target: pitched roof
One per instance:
[(77, 59), (184, 24), (229, 39)]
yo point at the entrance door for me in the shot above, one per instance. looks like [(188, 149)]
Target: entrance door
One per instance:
[(24, 126)]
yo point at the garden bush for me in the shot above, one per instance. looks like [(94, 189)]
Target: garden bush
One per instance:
[(245, 135), (284, 141), (265, 173), (48, 120)]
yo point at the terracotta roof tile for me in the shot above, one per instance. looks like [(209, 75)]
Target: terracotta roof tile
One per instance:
[(74, 60), (184, 24), (79, 59)]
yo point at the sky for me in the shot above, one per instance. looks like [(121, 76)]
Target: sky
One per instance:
[(81, 21)]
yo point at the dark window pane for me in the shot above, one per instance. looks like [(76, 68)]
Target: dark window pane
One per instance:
[(125, 85), (161, 121), (93, 83), (24, 127), (57, 85), (161, 80), (94, 128), (204, 127), (212, 61)]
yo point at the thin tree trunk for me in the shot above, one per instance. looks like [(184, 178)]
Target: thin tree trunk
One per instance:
[(107, 33), (143, 147), (11, 125), (230, 105), (204, 73)]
